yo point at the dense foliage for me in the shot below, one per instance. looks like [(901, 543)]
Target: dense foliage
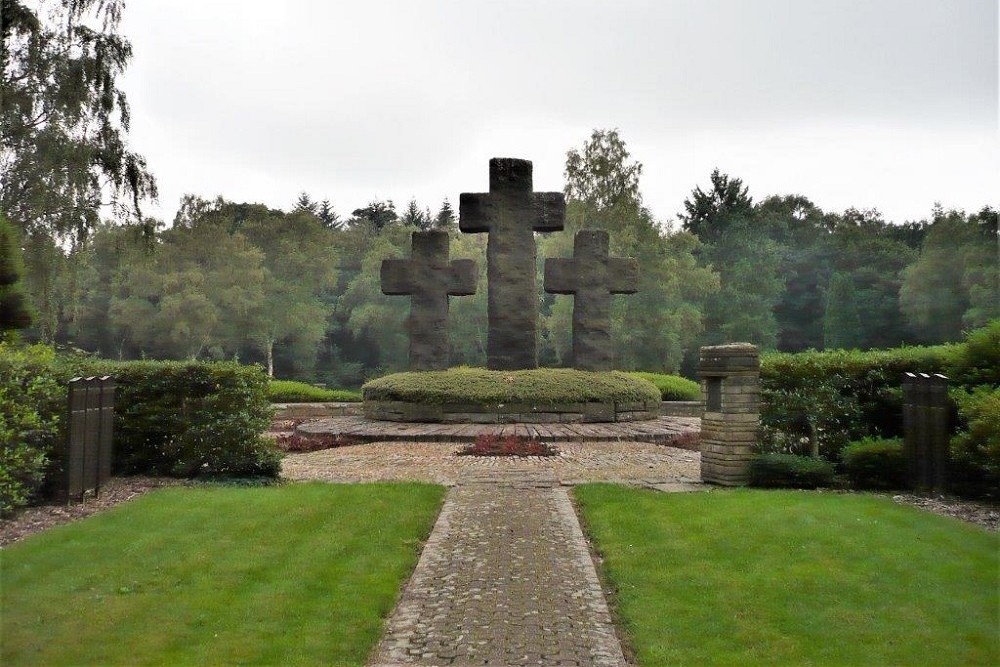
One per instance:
[(298, 290), (63, 119), (817, 402), (975, 449), (543, 386), (14, 311), (190, 419), (185, 419), (32, 402)]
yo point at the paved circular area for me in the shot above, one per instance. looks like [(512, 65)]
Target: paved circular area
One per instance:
[(625, 462)]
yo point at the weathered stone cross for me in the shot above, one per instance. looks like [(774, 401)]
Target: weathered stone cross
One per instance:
[(511, 213), (592, 277), (429, 278)]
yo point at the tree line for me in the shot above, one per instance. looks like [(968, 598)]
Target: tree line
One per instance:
[(298, 289)]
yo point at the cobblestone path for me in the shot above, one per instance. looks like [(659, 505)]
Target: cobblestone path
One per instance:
[(505, 579)]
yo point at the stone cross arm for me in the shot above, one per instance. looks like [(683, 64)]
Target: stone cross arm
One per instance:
[(428, 271), (590, 267), (457, 278), (510, 202)]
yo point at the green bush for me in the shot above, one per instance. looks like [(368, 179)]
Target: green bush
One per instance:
[(875, 463), (171, 418), (977, 361), (975, 449), (32, 403), (672, 387), (189, 419), (542, 386), (831, 398), (789, 471), (290, 391)]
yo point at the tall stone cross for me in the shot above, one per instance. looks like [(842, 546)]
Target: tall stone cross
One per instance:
[(511, 213), (429, 278), (592, 277)]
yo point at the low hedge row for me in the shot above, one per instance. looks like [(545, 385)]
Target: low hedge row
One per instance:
[(291, 391), (672, 387), (185, 419), (478, 386), (823, 400)]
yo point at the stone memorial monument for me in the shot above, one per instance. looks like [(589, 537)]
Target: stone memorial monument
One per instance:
[(510, 212), (592, 277), (429, 279)]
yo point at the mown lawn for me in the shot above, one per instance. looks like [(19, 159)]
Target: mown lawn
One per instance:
[(296, 574), (763, 578)]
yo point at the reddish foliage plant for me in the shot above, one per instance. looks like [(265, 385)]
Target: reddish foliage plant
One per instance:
[(298, 442), (490, 444)]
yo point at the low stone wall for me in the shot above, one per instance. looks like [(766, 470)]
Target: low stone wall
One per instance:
[(315, 410), (681, 409), (456, 413)]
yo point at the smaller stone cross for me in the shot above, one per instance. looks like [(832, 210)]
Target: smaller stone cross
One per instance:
[(592, 277), (429, 279)]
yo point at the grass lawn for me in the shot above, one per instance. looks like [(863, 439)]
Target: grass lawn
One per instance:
[(774, 577), (296, 574)]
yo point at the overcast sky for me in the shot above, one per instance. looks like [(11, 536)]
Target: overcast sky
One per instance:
[(887, 104)]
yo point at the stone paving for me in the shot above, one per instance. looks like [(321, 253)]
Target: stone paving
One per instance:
[(505, 579)]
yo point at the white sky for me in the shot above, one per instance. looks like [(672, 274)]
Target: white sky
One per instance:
[(888, 104)]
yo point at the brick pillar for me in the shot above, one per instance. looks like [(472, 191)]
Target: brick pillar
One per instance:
[(926, 416), (730, 393)]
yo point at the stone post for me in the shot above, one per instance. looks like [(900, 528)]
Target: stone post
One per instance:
[(926, 413), (730, 392)]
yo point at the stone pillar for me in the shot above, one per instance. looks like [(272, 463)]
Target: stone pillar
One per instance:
[(926, 413), (730, 392)]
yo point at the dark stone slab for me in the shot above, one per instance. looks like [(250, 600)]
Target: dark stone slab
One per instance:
[(592, 277), (510, 212), (429, 278)]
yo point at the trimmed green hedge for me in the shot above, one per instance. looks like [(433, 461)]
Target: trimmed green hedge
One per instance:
[(789, 471), (190, 419), (828, 399), (875, 463), (290, 391), (544, 386), (672, 387), (185, 419)]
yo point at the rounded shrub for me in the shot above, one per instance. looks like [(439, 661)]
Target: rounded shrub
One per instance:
[(542, 386), (875, 463), (789, 471), (672, 387)]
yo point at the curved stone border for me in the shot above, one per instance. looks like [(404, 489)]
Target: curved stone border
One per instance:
[(459, 413), (358, 429)]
